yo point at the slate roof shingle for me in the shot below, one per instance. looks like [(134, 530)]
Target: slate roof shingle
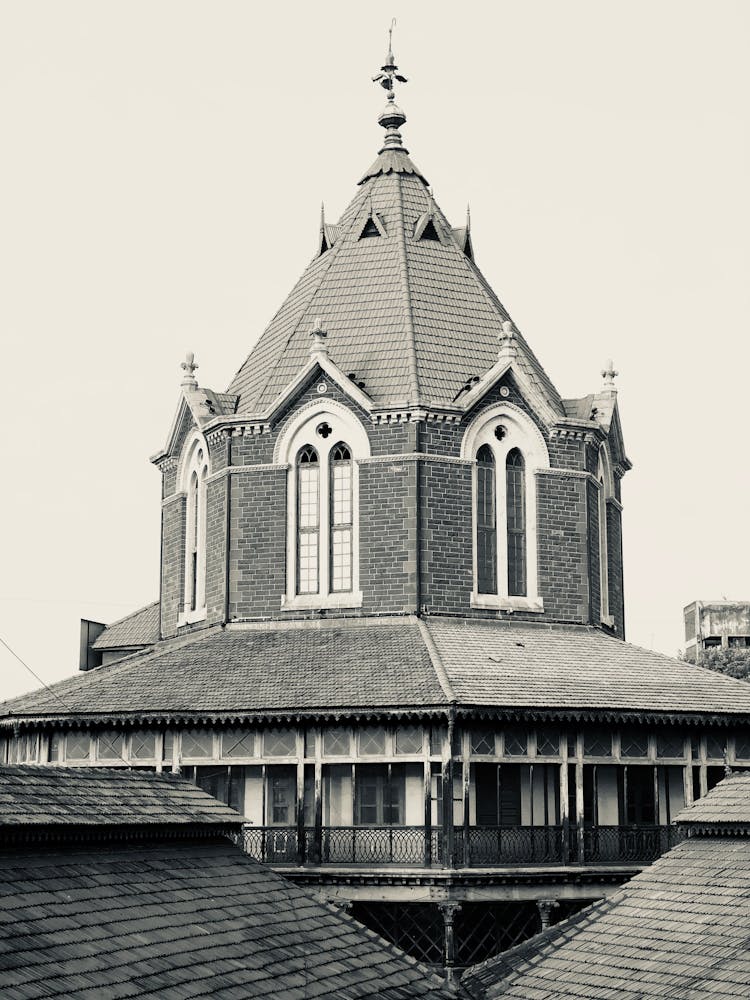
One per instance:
[(139, 628), (414, 319), (677, 930), (368, 665), (727, 803), (184, 920), (96, 796)]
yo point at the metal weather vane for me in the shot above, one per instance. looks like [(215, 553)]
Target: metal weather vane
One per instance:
[(389, 71)]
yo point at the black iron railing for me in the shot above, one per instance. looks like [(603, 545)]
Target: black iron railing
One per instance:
[(487, 846), (630, 844), (509, 845)]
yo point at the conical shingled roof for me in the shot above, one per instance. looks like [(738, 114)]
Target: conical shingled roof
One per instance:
[(414, 318)]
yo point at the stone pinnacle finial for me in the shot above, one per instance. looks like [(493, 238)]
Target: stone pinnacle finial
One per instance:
[(392, 118), (507, 341), (609, 375), (189, 367), (318, 335)]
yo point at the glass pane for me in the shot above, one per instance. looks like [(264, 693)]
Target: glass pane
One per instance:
[(143, 746), (308, 515), (742, 747), (337, 742), (282, 795), (437, 735), (572, 744), (309, 743), (372, 740), (77, 746), (279, 743), (715, 746), (633, 744), (110, 746), (409, 739), (486, 522), (55, 743), (597, 743), (341, 559), (483, 742), (238, 743), (516, 742), (168, 749), (515, 499), (670, 745), (197, 743), (341, 490), (548, 742)]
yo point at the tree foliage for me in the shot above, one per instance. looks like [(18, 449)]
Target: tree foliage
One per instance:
[(733, 662)]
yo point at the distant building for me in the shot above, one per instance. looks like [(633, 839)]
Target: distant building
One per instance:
[(716, 625), (677, 930), (123, 884), (391, 619)]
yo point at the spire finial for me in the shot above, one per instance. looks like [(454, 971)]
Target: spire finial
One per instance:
[(609, 375), (392, 118), (318, 335), (189, 366), (507, 342)]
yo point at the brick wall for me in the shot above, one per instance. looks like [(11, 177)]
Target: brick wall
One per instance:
[(616, 583), (387, 536), (257, 561), (562, 546), (216, 507), (445, 536), (172, 563), (594, 558)]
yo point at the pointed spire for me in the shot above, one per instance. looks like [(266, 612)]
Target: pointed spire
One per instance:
[(392, 117), (609, 375), (189, 366), (468, 219)]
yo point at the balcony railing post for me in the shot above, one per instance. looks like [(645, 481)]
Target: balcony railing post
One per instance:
[(317, 847), (300, 804), (466, 756), (449, 843), (579, 808)]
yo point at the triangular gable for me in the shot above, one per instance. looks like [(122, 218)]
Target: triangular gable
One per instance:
[(373, 226), (326, 366), (426, 228), (196, 407), (616, 440), (528, 389)]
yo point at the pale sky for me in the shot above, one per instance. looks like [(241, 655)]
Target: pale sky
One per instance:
[(162, 171)]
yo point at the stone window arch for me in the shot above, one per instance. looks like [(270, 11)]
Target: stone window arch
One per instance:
[(507, 448), (321, 446), (194, 471)]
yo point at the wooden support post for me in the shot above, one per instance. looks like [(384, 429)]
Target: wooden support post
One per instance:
[(317, 849), (564, 800), (449, 911), (466, 756), (579, 798), (687, 773), (427, 779), (300, 800), (176, 751), (531, 796), (159, 751), (656, 795), (704, 768), (446, 770)]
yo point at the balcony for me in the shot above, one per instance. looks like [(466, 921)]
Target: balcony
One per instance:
[(478, 847)]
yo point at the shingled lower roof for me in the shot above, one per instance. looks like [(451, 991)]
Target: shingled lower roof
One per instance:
[(140, 628), (574, 667), (678, 930), (728, 804), (95, 796), (177, 921), (366, 666)]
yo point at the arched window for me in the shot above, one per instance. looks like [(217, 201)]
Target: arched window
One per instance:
[(194, 475), (341, 518), (515, 504), (509, 451), (486, 522), (321, 446), (308, 520)]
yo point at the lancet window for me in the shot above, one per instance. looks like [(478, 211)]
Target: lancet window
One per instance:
[(508, 450), (322, 446), (194, 475)]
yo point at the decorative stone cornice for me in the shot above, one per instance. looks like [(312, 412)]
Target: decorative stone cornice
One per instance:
[(415, 456), (232, 470), (167, 464), (568, 474), (173, 497), (614, 502)]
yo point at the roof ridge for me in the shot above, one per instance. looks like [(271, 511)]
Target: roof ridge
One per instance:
[(132, 614), (408, 313), (437, 660)]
